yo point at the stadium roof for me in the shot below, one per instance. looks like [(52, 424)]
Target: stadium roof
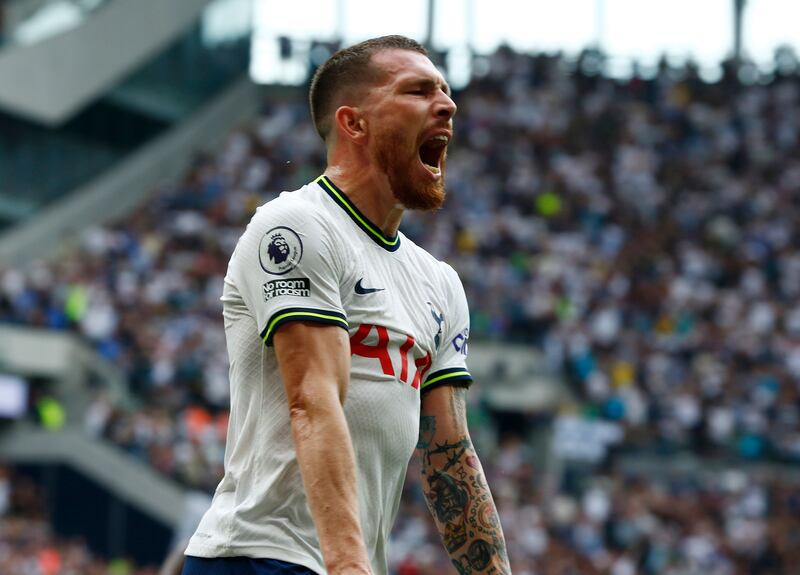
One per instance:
[(624, 29)]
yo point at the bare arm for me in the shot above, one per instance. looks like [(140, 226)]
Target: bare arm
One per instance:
[(173, 564), (315, 365), (455, 487)]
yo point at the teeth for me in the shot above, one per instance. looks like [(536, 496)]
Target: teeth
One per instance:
[(441, 137), (434, 170)]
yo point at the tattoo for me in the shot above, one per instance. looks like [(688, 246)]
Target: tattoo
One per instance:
[(484, 518), (427, 429), (461, 503), (449, 498), (457, 449), (479, 556), (459, 567), (454, 535), (448, 495), (458, 496)]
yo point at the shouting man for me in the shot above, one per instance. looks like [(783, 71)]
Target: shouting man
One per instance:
[(347, 345)]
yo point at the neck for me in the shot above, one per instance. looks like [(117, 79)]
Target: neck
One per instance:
[(370, 191)]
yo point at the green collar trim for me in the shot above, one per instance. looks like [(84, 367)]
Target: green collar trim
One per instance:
[(373, 231)]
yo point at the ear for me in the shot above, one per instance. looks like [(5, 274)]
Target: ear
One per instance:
[(350, 124)]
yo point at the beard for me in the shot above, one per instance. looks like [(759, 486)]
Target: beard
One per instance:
[(399, 167)]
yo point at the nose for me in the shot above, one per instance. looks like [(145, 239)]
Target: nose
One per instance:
[(445, 107)]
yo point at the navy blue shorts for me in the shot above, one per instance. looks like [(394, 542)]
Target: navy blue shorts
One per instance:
[(241, 566)]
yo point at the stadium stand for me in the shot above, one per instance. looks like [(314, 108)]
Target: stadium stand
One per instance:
[(640, 233), (67, 116), (56, 78), (28, 545)]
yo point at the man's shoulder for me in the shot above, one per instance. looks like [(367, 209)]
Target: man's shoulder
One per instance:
[(430, 263), (299, 207), (289, 224)]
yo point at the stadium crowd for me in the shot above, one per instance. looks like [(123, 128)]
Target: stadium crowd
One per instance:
[(28, 546), (720, 524), (641, 232), (621, 524)]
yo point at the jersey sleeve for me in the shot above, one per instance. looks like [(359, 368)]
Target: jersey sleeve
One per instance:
[(288, 269), (450, 363)]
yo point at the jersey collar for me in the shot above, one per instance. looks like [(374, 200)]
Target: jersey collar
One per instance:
[(373, 231)]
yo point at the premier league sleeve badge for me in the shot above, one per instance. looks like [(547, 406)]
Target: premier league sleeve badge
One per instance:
[(280, 250)]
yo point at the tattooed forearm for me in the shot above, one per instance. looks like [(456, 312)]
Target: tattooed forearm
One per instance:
[(427, 429), (459, 499), (464, 511), (454, 452)]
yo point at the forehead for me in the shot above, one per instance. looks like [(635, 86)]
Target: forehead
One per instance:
[(405, 65)]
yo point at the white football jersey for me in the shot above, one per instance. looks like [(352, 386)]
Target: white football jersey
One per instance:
[(311, 255)]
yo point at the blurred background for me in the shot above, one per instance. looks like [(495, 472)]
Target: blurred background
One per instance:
[(623, 210)]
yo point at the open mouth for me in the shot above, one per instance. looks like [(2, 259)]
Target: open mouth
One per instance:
[(431, 153)]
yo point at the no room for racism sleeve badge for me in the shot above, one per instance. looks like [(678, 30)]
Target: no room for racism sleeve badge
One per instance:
[(280, 251)]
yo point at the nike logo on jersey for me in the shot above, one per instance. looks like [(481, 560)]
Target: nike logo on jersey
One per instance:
[(361, 290)]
